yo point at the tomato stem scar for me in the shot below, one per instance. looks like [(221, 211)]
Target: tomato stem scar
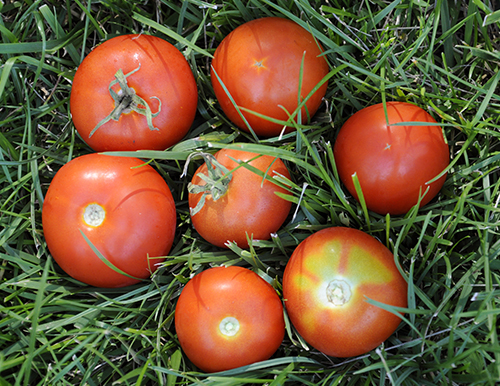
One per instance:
[(338, 292), (126, 101), (229, 326), (94, 215)]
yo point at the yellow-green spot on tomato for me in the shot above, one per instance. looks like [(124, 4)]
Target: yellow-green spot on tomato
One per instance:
[(365, 268)]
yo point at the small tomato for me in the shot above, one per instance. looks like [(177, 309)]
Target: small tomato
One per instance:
[(125, 209), (227, 317), (326, 283)]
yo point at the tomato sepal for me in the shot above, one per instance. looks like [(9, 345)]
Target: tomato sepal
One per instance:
[(127, 101), (216, 182)]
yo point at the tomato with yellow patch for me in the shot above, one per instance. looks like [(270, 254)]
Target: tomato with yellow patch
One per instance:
[(326, 285)]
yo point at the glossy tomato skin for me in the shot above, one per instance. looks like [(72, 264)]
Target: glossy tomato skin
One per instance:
[(164, 73), (140, 219), (250, 206), (392, 163), (259, 63), (325, 264), (228, 293)]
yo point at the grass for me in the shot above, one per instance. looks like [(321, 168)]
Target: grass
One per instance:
[(441, 55)]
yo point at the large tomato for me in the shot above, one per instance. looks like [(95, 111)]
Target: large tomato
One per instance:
[(325, 286), (392, 163), (151, 69), (248, 204), (123, 207), (227, 317), (260, 65)]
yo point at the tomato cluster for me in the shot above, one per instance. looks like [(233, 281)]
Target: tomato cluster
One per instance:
[(109, 221)]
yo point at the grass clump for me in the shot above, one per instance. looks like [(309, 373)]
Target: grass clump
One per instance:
[(441, 55)]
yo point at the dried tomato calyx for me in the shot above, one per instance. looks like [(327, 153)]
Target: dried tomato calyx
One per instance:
[(216, 182), (338, 292), (126, 101)]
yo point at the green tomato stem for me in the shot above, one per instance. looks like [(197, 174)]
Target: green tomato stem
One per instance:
[(216, 182), (126, 101)]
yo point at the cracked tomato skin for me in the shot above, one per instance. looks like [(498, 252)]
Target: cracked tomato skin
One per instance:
[(164, 73), (259, 63), (233, 294), (139, 219), (326, 284), (249, 206), (392, 163)]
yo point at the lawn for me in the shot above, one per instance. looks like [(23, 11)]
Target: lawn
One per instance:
[(443, 56)]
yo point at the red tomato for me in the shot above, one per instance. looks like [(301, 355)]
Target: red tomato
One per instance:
[(248, 206), (325, 286), (392, 163), (259, 63), (162, 74), (125, 209), (227, 317)]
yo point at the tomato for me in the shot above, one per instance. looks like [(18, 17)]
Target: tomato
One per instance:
[(260, 64), (248, 204), (124, 208), (325, 286), (392, 163), (153, 70), (227, 317)]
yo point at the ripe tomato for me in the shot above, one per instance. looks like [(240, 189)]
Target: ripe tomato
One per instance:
[(260, 63), (156, 72), (228, 317), (248, 204), (392, 163), (325, 286), (125, 209)]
